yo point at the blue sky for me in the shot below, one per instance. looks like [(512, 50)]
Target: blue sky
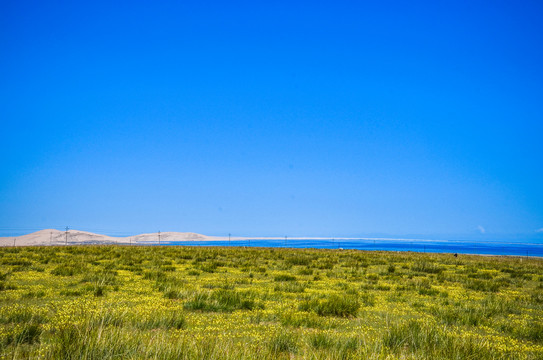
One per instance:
[(273, 118)]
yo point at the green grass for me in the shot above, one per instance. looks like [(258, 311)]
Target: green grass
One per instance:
[(333, 305), (115, 302)]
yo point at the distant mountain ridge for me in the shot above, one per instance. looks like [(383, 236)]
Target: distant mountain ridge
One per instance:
[(76, 237)]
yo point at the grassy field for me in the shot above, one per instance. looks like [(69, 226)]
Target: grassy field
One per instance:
[(115, 302)]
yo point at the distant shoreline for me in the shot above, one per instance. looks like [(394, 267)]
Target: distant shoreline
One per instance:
[(52, 237)]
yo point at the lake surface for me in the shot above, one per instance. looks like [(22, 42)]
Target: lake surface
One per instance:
[(431, 246)]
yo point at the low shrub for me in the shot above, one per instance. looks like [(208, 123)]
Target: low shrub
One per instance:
[(67, 270), (292, 287), (222, 300), (305, 320), (283, 342), (333, 305), (284, 277), (427, 267), (320, 341)]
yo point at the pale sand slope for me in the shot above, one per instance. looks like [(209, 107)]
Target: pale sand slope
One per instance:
[(56, 237)]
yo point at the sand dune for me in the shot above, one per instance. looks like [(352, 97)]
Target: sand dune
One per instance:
[(77, 237)]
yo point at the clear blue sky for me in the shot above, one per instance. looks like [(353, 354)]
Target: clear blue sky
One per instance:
[(273, 118)]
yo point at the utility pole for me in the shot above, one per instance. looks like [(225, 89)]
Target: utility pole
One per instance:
[(51, 238), (14, 242), (158, 237), (229, 239), (285, 241), (67, 228)]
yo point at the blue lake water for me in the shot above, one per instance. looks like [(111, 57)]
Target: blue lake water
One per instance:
[(431, 246)]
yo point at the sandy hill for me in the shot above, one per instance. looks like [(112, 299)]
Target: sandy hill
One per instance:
[(57, 237)]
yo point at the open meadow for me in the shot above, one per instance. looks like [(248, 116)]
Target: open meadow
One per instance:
[(121, 302)]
